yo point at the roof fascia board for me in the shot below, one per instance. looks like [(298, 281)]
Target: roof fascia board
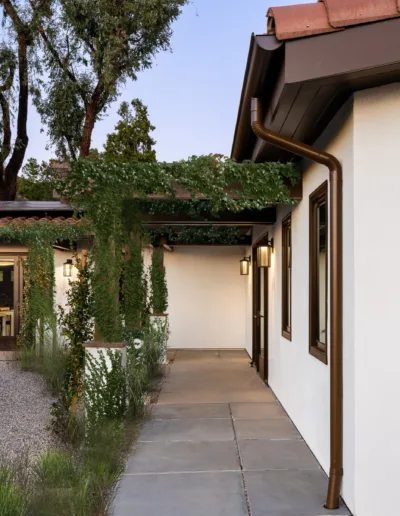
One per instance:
[(262, 49)]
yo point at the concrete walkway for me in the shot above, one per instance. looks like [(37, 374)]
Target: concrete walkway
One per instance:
[(220, 444)]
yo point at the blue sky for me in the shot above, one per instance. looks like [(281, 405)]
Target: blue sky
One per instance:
[(192, 93)]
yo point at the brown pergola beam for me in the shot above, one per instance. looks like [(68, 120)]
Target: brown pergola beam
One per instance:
[(225, 218)]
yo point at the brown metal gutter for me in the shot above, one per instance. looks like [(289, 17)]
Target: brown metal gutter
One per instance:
[(336, 290)]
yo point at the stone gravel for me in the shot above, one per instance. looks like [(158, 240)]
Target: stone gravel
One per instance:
[(25, 405)]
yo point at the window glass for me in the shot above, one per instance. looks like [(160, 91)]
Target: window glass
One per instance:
[(286, 277), (321, 273)]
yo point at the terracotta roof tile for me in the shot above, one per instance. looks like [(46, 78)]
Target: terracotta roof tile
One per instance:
[(342, 13), (5, 221), (298, 21)]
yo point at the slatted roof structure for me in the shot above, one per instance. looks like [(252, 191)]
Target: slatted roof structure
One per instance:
[(34, 212)]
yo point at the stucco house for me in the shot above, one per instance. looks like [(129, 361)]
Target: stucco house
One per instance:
[(309, 292), (327, 74)]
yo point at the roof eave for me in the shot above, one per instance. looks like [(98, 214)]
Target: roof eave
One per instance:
[(302, 90), (262, 53)]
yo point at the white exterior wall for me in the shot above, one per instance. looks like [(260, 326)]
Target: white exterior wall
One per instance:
[(62, 284), (207, 297), (377, 300), (300, 381)]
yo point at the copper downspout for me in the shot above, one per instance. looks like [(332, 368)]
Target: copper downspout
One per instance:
[(336, 290)]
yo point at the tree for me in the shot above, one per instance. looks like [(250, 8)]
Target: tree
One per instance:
[(13, 55), (131, 140), (91, 48), (37, 181)]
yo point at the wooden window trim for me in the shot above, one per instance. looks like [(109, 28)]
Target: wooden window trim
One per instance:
[(316, 348), (286, 328)]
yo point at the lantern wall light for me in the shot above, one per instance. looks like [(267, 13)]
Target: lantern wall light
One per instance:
[(67, 268), (245, 266), (264, 254)]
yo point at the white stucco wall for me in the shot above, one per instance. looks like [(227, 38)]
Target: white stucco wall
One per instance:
[(300, 381), (62, 284), (207, 297), (377, 300)]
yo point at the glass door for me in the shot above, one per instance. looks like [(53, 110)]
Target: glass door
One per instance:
[(10, 299), (7, 297), (260, 317)]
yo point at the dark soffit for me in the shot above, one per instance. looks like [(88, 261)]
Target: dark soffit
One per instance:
[(303, 82)]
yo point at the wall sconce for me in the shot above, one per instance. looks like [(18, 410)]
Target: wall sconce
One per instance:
[(245, 266), (264, 254), (67, 268)]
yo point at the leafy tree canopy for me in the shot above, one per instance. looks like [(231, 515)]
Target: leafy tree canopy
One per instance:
[(36, 182), (91, 48), (131, 140)]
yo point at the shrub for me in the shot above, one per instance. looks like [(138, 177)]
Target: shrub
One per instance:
[(12, 499), (81, 483), (51, 364), (105, 388)]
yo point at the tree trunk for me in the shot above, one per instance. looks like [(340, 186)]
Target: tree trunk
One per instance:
[(90, 119), (8, 185)]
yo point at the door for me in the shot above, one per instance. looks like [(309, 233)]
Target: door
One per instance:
[(10, 299), (260, 317)]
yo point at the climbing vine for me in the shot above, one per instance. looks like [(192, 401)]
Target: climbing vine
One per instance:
[(39, 281), (159, 289), (77, 325), (114, 196), (134, 290)]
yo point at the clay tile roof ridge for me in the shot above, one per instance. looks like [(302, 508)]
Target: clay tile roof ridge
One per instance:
[(301, 20), (4, 221)]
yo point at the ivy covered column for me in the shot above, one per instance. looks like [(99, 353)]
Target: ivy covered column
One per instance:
[(159, 294)]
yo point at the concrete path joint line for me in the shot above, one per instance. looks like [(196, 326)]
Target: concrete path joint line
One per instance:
[(240, 463)]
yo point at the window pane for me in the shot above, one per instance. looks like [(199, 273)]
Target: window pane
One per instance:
[(6, 297), (262, 310), (321, 272), (288, 276)]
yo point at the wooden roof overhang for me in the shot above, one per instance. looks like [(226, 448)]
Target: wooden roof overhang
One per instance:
[(303, 82)]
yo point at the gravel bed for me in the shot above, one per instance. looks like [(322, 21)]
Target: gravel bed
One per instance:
[(25, 405)]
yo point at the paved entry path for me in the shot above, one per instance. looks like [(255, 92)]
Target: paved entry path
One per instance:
[(219, 444)]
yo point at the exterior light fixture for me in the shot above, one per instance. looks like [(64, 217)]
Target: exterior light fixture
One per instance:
[(67, 268), (264, 254), (245, 266)]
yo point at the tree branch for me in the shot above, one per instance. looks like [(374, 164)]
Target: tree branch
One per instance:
[(12, 13), (6, 146), (21, 142), (53, 51), (10, 79), (71, 149)]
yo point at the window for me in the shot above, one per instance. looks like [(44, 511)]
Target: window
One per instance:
[(319, 272), (287, 278)]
